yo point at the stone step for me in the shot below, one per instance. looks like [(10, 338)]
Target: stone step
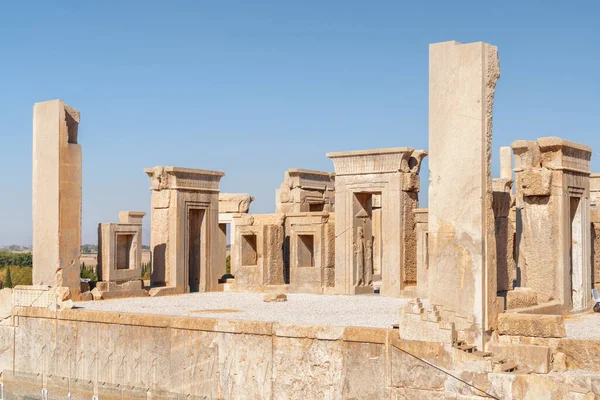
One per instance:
[(467, 348), (522, 371), (483, 354), (509, 367), (430, 316)]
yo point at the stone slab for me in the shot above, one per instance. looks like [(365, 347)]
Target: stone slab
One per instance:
[(536, 325), (535, 358)]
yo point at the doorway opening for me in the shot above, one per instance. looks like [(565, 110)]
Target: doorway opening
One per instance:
[(195, 219), (249, 250), (306, 250), (124, 254), (368, 250), (576, 255)]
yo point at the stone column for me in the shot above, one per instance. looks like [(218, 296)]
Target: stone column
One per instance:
[(462, 267), (421, 217), (506, 162), (56, 196), (595, 217), (505, 232)]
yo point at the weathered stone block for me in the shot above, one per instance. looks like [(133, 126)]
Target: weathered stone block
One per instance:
[(536, 182), (536, 325), (415, 327), (6, 301), (275, 297), (87, 296), (411, 372), (363, 366), (311, 369), (535, 358), (34, 296), (520, 298)]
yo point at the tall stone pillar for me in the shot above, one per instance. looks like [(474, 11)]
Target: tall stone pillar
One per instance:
[(56, 195), (462, 265)]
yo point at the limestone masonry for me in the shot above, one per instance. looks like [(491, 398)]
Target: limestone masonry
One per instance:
[(349, 290)]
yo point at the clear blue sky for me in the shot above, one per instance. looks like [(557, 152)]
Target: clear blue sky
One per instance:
[(253, 88)]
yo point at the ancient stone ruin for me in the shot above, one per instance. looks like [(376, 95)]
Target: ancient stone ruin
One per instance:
[(490, 286)]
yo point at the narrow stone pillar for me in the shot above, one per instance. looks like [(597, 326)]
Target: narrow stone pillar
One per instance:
[(505, 233), (595, 218), (421, 218), (462, 267), (56, 196), (506, 162)]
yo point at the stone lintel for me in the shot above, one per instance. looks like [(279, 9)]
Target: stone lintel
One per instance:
[(421, 215), (308, 218), (194, 171), (377, 161), (131, 217), (234, 202), (552, 153), (308, 179), (502, 184), (177, 178), (310, 172), (555, 143)]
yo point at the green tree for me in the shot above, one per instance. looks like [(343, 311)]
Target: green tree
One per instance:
[(8, 280), (88, 274)]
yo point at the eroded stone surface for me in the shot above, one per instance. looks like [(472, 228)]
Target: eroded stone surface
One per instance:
[(535, 325), (461, 231), (56, 195), (307, 368)]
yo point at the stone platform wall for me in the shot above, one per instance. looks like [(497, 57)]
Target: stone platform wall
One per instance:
[(130, 356)]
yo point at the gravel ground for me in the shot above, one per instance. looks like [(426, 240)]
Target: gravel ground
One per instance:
[(584, 326), (300, 309)]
